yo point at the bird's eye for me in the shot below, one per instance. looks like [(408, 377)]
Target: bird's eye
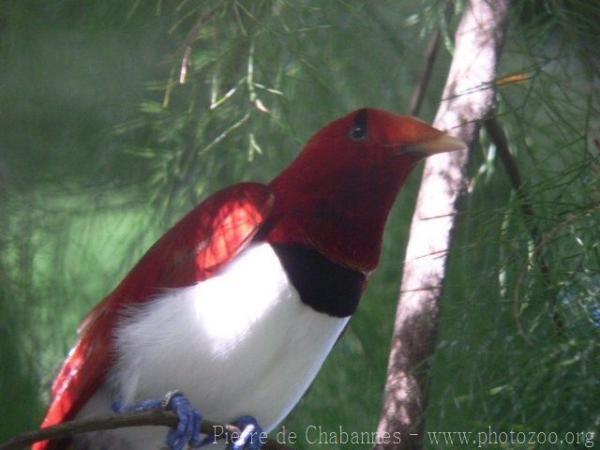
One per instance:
[(358, 132)]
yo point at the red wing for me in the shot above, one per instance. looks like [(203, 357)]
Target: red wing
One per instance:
[(193, 250)]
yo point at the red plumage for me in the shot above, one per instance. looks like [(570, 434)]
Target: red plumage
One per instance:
[(193, 250)]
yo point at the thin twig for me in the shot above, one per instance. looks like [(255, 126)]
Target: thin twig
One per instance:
[(147, 418), (431, 52), (498, 137), (192, 35)]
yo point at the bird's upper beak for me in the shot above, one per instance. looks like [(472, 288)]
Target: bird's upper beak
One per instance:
[(418, 137), (441, 143)]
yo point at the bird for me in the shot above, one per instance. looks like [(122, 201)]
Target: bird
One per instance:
[(235, 308)]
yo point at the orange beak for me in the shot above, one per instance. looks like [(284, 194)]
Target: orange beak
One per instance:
[(440, 144), (420, 137)]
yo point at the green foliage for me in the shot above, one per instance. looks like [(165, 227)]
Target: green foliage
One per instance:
[(102, 147), (518, 346)]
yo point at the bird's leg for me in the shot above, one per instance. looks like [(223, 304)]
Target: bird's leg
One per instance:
[(188, 427), (251, 436)]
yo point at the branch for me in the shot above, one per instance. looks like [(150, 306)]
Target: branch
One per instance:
[(146, 418), (192, 35), (431, 53), (467, 99), (498, 137), (496, 134)]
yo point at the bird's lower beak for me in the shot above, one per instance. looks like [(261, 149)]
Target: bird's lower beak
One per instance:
[(441, 143)]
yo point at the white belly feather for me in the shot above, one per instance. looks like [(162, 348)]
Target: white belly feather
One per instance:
[(240, 343)]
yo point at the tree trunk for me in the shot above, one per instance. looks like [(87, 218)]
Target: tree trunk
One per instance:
[(468, 97)]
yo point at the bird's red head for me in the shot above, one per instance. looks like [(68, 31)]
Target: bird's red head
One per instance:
[(337, 194)]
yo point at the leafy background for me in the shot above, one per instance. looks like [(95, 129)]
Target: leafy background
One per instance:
[(101, 149)]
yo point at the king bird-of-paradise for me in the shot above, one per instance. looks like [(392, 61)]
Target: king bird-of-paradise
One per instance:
[(231, 313)]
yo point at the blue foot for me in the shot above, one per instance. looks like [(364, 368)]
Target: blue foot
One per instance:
[(188, 427), (251, 436)]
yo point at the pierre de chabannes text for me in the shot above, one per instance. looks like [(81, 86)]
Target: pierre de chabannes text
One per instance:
[(318, 435)]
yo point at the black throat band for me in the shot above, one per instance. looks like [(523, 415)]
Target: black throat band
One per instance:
[(322, 284)]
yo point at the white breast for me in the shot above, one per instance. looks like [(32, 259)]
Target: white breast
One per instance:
[(240, 343)]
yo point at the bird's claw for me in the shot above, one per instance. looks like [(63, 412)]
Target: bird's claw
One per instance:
[(250, 437), (188, 426), (187, 430)]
